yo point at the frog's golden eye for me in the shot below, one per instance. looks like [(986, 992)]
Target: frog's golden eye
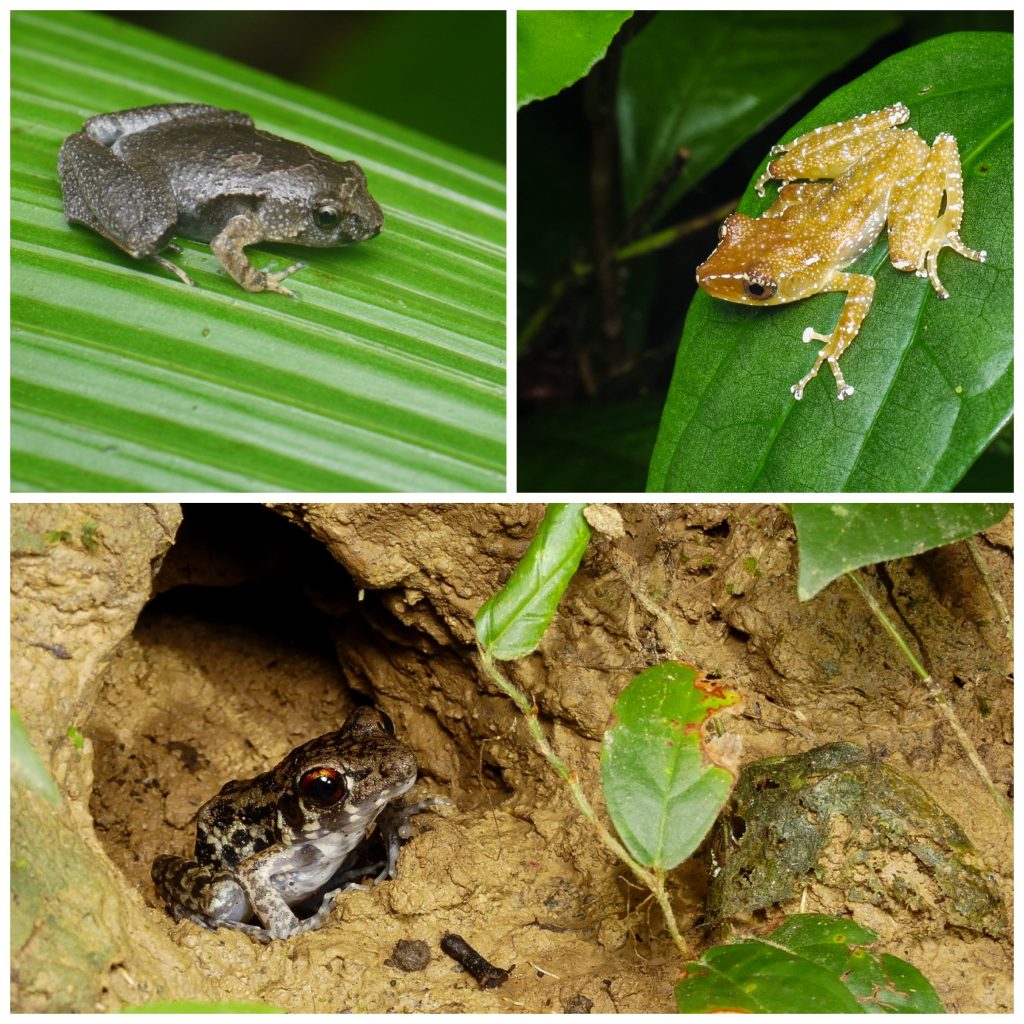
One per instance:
[(326, 217), (323, 786), (759, 286)]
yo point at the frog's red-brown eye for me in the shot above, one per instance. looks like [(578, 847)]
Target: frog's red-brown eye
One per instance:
[(324, 786), (389, 726), (326, 217), (760, 287)]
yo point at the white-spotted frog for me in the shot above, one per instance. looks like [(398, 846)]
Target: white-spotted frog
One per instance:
[(815, 229), (274, 842), (140, 176)]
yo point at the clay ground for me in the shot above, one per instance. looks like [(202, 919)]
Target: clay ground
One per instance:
[(192, 650)]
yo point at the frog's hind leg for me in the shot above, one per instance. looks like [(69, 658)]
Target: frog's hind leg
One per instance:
[(915, 238), (828, 151)]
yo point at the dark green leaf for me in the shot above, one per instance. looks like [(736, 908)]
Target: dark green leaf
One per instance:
[(557, 48), (934, 379), (662, 790), (705, 81), (834, 538), (510, 624), (387, 373), (810, 964)]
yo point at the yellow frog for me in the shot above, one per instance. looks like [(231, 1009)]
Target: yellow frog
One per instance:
[(815, 229)]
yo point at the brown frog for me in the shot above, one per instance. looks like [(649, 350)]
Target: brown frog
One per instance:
[(268, 844)]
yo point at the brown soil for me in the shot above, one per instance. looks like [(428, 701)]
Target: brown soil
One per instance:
[(191, 654)]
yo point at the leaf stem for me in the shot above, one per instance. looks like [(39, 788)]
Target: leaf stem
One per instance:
[(937, 695), (990, 586), (652, 880)]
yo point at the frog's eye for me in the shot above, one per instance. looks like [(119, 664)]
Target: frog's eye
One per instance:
[(326, 217), (389, 726), (323, 786), (759, 286)]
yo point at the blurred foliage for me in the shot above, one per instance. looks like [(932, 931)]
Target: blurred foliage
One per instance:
[(440, 72)]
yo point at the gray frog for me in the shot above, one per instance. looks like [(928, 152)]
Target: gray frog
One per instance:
[(139, 176), (268, 844)]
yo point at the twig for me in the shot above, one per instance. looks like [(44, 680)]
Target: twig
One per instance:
[(990, 586), (937, 695), (654, 880)]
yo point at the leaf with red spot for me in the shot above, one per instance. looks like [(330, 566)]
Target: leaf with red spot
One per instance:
[(663, 783)]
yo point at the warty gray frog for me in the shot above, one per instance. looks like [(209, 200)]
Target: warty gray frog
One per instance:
[(140, 176)]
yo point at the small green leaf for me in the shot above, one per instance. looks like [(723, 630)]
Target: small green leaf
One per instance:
[(26, 765), (510, 624), (660, 789), (835, 538), (557, 48), (810, 964), (76, 737)]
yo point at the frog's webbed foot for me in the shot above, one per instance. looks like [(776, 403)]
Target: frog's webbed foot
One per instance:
[(825, 355)]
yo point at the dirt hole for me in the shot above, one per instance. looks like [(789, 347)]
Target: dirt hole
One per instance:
[(256, 640)]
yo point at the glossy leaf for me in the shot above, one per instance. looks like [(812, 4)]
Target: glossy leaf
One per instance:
[(705, 81), (511, 623), (810, 964), (836, 538), (934, 379), (662, 789), (386, 374), (557, 48)]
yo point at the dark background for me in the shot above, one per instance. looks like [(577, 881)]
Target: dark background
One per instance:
[(440, 72)]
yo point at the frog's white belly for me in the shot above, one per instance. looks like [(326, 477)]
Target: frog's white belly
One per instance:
[(302, 869)]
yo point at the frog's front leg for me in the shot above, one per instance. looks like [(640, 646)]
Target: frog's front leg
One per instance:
[(860, 290), (917, 232), (242, 230)]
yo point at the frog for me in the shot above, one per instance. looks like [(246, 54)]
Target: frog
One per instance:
[(881, 176), (271, 844), (140, 176)]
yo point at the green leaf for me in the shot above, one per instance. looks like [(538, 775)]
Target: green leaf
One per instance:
[(557, 48), (835, 538), (934, 379), (387, 373), (26, 765), (660, 790), (705, 81), (810, 964), (510, 624)]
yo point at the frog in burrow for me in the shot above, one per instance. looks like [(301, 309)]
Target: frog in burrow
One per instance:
[(815, 229), (272, 843), (140, 176)]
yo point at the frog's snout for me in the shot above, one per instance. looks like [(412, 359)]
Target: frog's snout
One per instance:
[(364, 223)]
